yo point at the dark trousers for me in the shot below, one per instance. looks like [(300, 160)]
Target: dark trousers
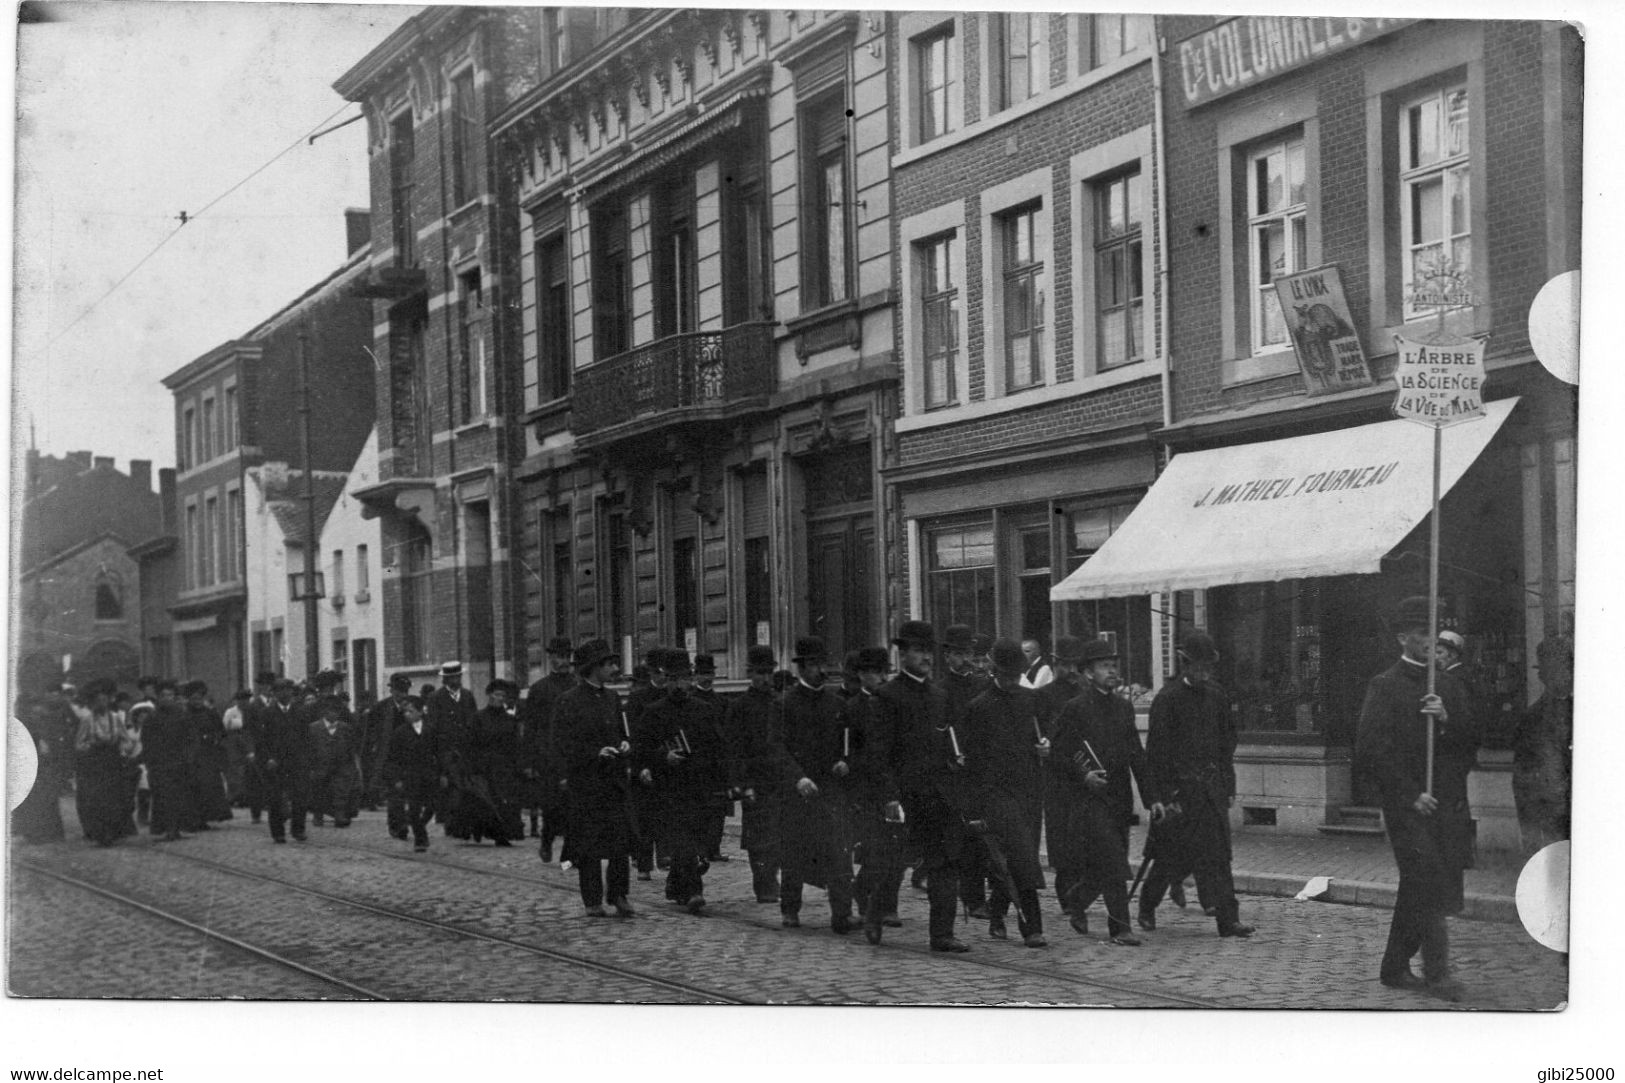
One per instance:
[(396, 816), (286, 801), (1102, 876), (1215, 887), (1029, 915), (973, 876), (684, 880), (714, 829), (840, 894), (415, 811), (1065, 878), (1426, 890), (942, 894), (591, 878)]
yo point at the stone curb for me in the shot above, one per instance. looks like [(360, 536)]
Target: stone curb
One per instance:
[(1479, 907)]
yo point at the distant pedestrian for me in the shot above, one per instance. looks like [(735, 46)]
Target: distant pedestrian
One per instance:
[(880, 836), (1543, 748), (332, 744), (591, 733), (962, 681), (411, 769), (494, 777), (1428, 820), (166, 744), (282, 749), (705, 675), (386, 717), (234, 721), (207, 760), (451, 710), (544, 782), (757, 768), (1040, 670), (102, 746)]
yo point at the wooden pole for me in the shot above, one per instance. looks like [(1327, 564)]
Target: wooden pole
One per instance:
[(1433, 594)]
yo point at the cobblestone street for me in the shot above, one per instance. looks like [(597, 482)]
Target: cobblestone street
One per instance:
[(478, 923)]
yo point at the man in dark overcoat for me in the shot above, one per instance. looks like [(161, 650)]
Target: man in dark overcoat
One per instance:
[(928, 761), (757, 768), (1005, 753), (411, 767), (1428, 820), (705, 676), (1097, 749), (879, 833), (282, 749), (595, 749), (167, 743), (253, 771), (816, 848), (451, 711), (494, 768), (963, 681), (544, 783), (678, 749), (1066, 686), (208, 757), (1189, 751), (645, 804), (332, 743), (386, 717)]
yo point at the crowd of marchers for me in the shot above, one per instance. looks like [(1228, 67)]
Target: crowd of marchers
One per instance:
[(958, 763)]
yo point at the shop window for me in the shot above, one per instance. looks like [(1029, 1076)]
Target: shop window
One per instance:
[(1020, 56), (1435, 175), (939, 318), (1277, 234), (1119, 271), (937, 97), (960, 575), (1025, 287), (1124, 622)]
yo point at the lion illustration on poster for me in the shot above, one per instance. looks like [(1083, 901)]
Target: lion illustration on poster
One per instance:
[(1317, 326)]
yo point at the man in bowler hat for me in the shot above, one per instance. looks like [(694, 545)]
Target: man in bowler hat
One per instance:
[(595, 750)]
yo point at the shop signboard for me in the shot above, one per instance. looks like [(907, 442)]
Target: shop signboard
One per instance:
[(1250, 49), (1322, 330), (1440, 383)]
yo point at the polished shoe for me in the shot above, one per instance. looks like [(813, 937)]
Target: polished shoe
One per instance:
[(420, 848), (1079, 923), (767, 899), (1126, 940), (996, 929), (1405, 980), (1237, 929), (1035, 940), (279, 840), (892, 921), (714, 858), (597, 912), (872, 934), (301, 837), (948, 943), (499, 842), (696, 904), (1147, 920), (980, 913), (1447, 989), (1176, 895), (790, 921), (840, 926), (623, 908)]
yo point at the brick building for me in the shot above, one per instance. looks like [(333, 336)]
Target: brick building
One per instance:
[(78, 587), (1375, 173), (235, 408), (1025, 166)]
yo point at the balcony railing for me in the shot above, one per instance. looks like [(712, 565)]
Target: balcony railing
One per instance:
[(704, 374)]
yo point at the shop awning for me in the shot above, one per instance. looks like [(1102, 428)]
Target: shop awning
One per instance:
[(1333, 503)]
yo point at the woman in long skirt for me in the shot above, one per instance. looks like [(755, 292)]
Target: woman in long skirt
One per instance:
[(102, 747)]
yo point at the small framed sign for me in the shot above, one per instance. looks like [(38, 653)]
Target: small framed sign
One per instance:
[(1323, 335)]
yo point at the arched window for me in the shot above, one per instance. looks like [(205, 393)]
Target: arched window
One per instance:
[(109, 597)]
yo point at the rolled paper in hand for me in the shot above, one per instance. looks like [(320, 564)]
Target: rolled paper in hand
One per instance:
[(846, 741), (953, 739), (626, 727), (1037, 732), (682, 736), (1099, 766)]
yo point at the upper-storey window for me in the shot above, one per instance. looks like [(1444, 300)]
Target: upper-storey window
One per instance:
[(826, 201), (229, 419), (1278, 233), (1020, 53), (611, 287), (676, 291), (553, 334), (1435, 196), (402, 155), (470, 347), (188, 456), (465, 138), (1119, 270), (939, 315), (936, 64), (1110, 36), (1025, 286), (209, 431)]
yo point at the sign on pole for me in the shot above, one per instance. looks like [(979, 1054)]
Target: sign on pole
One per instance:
[(1440, 383)]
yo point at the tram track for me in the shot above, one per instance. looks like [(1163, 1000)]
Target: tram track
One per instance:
[(1168, 998), (262, 953), (559, 955)]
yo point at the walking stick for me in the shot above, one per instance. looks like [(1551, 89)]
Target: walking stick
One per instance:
[(1145, 863)]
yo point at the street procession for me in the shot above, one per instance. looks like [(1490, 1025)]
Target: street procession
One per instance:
[(723, 506)]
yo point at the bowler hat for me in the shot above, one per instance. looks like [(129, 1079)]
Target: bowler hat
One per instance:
[(451, 669), (872, 658), (195, 688), (759, 659), (327, 677), (809, 649), (1007, 657), (400, 683), (277, 686), (678, 664), (1453, 640), (916, 633), (849, 664), (559, 645), (1197, 646), (958, 637), (501, 684), (1098, 650), (591, 653), (264, 676), (981, 643), (1069, 649), (705, 665)]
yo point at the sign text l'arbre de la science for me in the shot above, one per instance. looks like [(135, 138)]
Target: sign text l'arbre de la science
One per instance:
[(1245, 51)]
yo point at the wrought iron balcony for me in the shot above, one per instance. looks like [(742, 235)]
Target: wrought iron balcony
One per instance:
[(701, 376)]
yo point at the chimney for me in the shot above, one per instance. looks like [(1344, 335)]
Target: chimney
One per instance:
[(141, 473), (78, 461), (104, 462), (169, 518), (357, 229), (33, 479)]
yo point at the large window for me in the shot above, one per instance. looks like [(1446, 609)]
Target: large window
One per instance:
[(188, 455), (747, 283), (685, 586), (109, 597), (465, 138), (335, 589), (611, 289), (211, 538), (959, 576), (363, 575), (229, 417), (1278, 233), (622, 600), (1434, 178), (1119, 271), (194, 546), (1025, 287), (1020, 57), (232, 566), (936, 66), (553, 338), (470, 348), (417, 594), (562, 586), (210, 420), (402, 157), (676, 291), (1110, 36), (1124, 622), (826, 202), (939, 313)]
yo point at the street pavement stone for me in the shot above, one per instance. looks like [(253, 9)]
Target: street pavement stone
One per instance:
[(1305, 955)]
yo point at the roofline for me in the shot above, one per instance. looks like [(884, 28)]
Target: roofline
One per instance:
[(74, 550), (396, 49)]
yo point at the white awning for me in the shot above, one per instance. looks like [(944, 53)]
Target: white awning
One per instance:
[(1329, 504)]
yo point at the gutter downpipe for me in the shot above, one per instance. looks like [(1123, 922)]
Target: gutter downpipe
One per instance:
[(1159, 141)]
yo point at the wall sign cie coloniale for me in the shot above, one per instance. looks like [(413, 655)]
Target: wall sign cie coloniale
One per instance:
[(1250, 49), (1322, 330)]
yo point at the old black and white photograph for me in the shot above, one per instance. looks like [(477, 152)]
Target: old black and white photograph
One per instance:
[(553, 515)]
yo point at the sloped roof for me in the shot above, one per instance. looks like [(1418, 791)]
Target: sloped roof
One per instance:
[(286, 502), (85, 506)]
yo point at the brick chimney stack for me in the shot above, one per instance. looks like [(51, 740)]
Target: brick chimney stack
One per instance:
[(103, 462), (79, 461), (141, 473), (169, 517)]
